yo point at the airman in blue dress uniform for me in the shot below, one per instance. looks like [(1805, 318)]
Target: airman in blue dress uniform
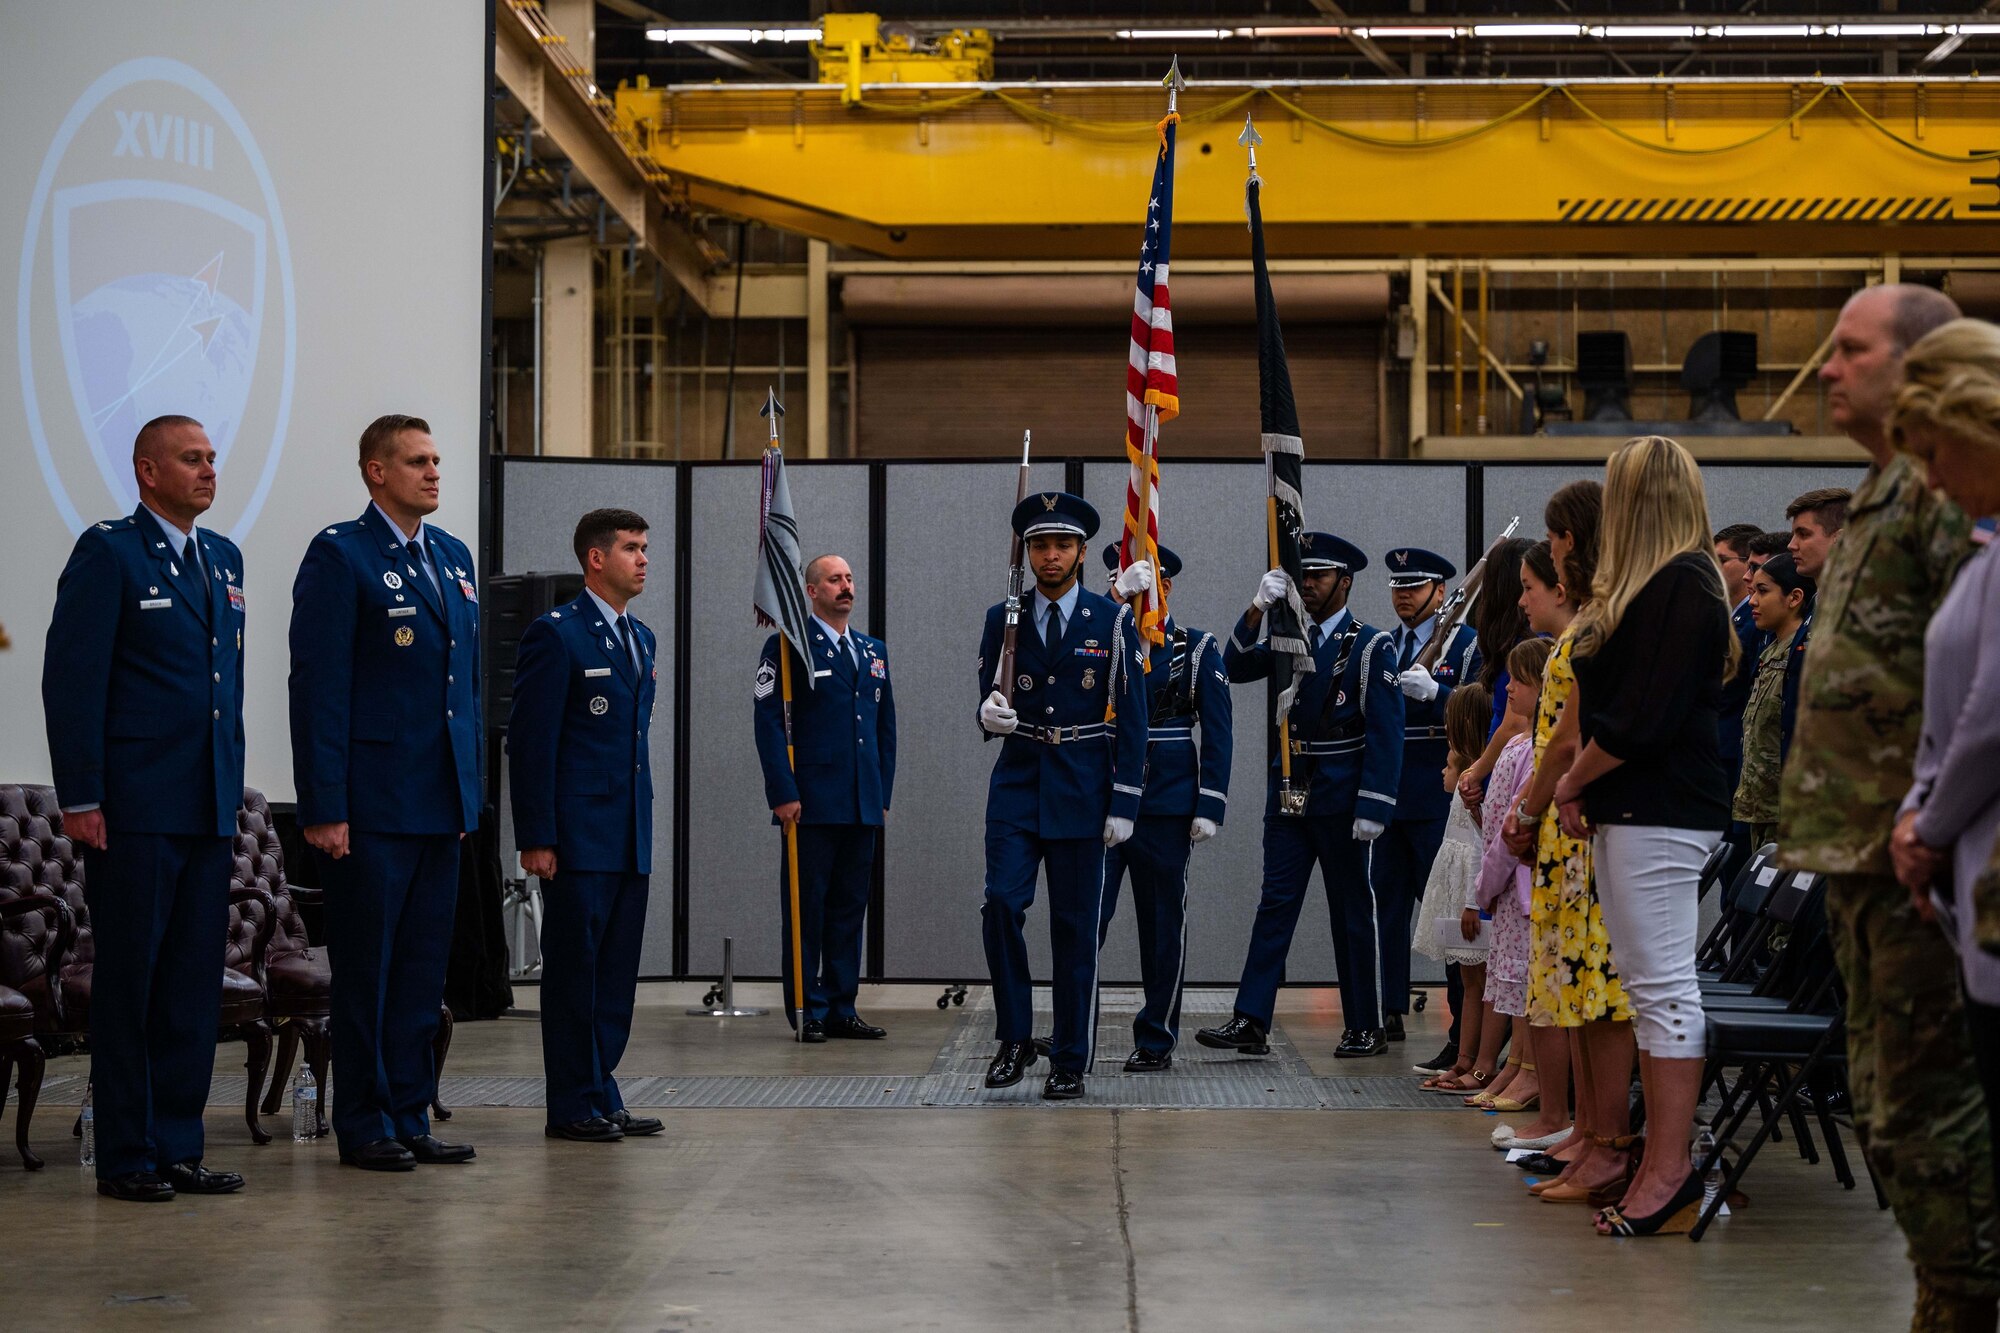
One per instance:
[(389, 760), (1186, 797), (844, 745), (142, 693), (1400, 860), (580, 768), (1346, 734), (1066, 785)]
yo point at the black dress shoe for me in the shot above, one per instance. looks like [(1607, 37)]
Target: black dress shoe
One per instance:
[(1438, 1063), (1392, 1027), (1143, 1061), (1063, 1086), (636, 1126), (1045, 1047), (594, 1130), (851, 1028), (1245, 1036), (1358, 1042), (381, 1155), (433, 1151), (139, 1187), (813, 1033), (1015, 1059), (1540, 1164), (194, 1178)]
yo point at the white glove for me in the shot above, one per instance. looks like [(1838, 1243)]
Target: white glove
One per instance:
[(1203, 830), (1136, 578), (1273, 587), (1419, 684), (1366, 830), (996, 716), (1116, 830)]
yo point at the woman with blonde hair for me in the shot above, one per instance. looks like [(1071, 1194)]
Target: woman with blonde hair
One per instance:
[(1651, 651), (1948, 415)]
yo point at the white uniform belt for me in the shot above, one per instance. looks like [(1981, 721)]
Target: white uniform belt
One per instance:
[(1324, 748), (1170, 734), (1063, 735)]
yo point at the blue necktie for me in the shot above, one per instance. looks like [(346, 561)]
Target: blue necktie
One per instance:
[(631, 648)]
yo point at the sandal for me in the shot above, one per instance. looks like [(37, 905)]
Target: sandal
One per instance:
[(1479, 1080), (1513, 1106), (1676, 1219), (1483, 1101), (1610, 1192)]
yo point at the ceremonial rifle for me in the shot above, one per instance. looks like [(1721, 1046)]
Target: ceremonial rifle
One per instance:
[(1459, 604), (1017, 562)]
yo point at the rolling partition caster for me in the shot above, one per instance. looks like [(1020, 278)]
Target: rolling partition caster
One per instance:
[(953, 994), (720, 1002)]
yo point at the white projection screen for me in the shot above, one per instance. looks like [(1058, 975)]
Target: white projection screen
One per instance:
[(269, 217)]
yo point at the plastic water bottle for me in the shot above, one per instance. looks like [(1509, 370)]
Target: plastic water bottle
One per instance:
[(305, 1106), (1711, 1183), (86, 1153)]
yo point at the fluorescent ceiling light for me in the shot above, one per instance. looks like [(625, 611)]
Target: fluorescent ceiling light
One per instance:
[(1409, 32), (1760, 30), (732, 34), (1314, 30), (1643, 30), (1179, 34), (1884, 29), (1527, 30), (1975, 29)]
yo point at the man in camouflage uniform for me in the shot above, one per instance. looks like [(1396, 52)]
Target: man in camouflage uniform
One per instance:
[(1918, 1107)]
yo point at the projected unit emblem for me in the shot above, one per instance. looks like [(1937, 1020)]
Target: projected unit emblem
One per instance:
[(155, 278)]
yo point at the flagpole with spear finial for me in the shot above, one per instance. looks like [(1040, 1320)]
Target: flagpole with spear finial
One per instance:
[(774, 412)]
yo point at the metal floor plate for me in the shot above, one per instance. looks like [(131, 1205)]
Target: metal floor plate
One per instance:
[(1200, 1080)]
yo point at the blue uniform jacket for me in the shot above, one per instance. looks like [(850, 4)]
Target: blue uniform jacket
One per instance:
[(1425, 749), (843, 731), (385, 683), (142, 680), (1736, 690), (1183, 781), (579, 767), (1348, 724), (1066, 790)]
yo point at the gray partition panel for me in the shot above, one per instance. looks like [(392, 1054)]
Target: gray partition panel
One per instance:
[(1213, 518), (1737, 492), (733, 848), (947, 541), (543, 500)]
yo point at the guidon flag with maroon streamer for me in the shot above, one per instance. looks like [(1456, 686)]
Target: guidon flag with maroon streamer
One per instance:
[(1152, 390)]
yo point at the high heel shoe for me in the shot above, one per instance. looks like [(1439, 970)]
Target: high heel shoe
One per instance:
[(1514, 1107), (1676, 1219), (1604, 1194)]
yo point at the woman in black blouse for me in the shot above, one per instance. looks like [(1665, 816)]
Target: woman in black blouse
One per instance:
[(1651, 652)]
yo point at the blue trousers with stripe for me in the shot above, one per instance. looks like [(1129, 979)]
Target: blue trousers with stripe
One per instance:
[(389, 908), (593, 924), (836, 875), (1399, 864), (159, 912), (1157, 856), (1292, 846), (1076, 884)]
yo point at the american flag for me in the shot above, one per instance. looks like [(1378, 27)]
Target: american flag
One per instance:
[(1152, 389)]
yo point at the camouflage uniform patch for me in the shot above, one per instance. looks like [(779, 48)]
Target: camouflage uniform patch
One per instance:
[(1763, 725), (1861, 697)]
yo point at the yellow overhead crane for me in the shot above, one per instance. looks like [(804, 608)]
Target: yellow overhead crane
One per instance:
[(960, 167)]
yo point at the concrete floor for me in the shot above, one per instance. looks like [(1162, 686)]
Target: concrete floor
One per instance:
[(893, 1219)]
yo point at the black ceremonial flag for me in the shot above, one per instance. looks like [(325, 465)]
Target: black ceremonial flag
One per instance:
[(1284, 465)]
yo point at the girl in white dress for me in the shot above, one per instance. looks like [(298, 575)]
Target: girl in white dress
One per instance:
[(1453, 879)]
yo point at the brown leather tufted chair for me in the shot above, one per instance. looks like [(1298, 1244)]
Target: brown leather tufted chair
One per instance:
[(38, 861), (297, 978), (32, 933)]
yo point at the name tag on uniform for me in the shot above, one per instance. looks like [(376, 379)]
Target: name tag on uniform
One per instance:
[(155, 603), (588, 672), (395, 611)]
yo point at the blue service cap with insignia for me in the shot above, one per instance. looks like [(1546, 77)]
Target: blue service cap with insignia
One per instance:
[(1410, 566), (1055, 511), (1170, 564), (1323, 550)]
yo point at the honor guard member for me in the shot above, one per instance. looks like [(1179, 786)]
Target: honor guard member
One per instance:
[(581, 773), (844, 743), (1186, 796), (1346, 733), (388, 757), (1400, 861), (142, 692), (1065, 786)]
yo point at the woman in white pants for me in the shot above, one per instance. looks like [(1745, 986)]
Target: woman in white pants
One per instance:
[(1651, 652)]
